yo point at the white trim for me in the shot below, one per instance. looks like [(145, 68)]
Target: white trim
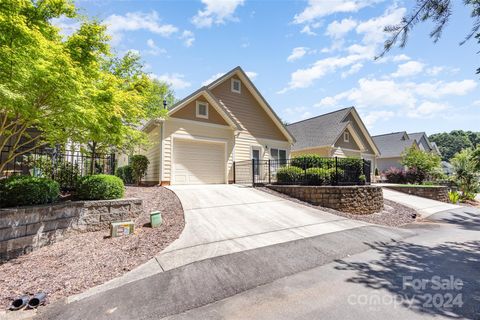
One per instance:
[(201, 123), (365, 132), (346, 136), (162, 150), (199, 139), (197, 109), (232, 85)]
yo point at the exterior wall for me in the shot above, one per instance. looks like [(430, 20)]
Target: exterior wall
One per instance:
[(27, 228), (344, 153), (439, 193), (189, 112), (122, 159), (351, 144), (359, 132), (323, 152), (246, 110), (194, 130), (153, 154), (351, 199), (384, 164)]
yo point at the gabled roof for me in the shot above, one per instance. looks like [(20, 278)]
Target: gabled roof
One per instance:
[(418, 136), (324, 130), (393, 144)]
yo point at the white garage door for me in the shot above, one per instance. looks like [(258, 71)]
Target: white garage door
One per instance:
[(198, 162)]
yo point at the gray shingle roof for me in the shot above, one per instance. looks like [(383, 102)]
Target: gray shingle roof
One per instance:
[(319, 131), (418, 136), (391, 144)]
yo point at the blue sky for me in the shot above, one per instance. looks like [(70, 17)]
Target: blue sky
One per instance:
[(307, 57)]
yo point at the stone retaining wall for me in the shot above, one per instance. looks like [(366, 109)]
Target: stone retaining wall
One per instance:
[(351, 199), (439, 193), (24, 229)]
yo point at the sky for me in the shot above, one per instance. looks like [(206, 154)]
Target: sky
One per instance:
[(306, 57)]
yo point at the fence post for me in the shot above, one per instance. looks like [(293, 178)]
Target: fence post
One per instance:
[(113, 163), (253, 172), (336, 170), (234, 174), (269, 176)]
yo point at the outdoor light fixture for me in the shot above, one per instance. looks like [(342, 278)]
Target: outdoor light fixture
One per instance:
[(164, 103)]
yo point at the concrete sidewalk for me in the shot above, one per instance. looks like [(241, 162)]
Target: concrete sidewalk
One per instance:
[(425, 207), (226, 219)]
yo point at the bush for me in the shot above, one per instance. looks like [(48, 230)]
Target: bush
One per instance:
[(100, 187), (319, 176), (395, 175), (376, 172), (289, 174), (312, 161), (139, 165), (125, 173), (27, 190), (414, 176), (67, 176), (425, 163)]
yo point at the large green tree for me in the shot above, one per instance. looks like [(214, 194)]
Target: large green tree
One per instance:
[(54, 90), (454, 142), (436, 11)]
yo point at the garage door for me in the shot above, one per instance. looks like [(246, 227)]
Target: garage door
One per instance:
[(198, 162)]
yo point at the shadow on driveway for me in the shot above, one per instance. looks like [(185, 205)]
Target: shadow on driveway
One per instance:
[(466, 220), (403, 266)]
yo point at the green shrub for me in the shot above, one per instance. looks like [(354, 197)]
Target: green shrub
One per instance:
[(312, 161), (139, 165), (289, 174), (125, 173), (100, 187), (319, 176), (376, 172), (27, 190), (454, 196), (67, 176)]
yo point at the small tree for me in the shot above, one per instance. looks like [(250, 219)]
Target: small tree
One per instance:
[(424, 163), (139, 165), (466, 173)]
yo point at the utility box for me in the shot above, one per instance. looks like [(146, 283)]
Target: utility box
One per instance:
[(123, 228), (156, 219)]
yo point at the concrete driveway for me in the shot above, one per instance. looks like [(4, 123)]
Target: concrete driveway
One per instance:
[(224, 219)]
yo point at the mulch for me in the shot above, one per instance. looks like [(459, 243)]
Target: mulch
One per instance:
[(392, 215), (85, 260)]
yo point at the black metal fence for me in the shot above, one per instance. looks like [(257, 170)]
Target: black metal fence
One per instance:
[(62, 165), (321, 171)]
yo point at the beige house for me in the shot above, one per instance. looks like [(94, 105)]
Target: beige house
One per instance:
[(224, 122), (336, 134)]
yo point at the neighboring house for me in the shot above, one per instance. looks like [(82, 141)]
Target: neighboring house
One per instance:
[(224, 122), (393, 145), (336, 134)]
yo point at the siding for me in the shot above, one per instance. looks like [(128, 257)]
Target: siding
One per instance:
[(351, 144), (247, 111), (364, 140), (194, 130), (323, 152), (153, 155), (189, 112)]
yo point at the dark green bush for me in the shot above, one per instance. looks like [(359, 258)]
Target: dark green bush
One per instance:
[(312, 161), (125, 173), (27, 190), (289, 174), (319, 176), (67, 175), (100, 187), (139, 165)]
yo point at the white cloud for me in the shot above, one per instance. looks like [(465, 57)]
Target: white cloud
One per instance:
[(409, 68), (340, 29), (427, 109), (327, 102), (154, 49), (440, 89), (370, 118), (373, 29), (476, 103), (297, 53), (434, 71), (66, 25), (308, 30), (134, 21), (294, 114), (251, 74), (321, 8), (188, 38), (400, 58), (176, 80), (353, 69), (216, 12)]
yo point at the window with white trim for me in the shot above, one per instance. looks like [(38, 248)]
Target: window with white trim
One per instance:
[(202, 110), (278, 154), (236, 86), (346, 136)]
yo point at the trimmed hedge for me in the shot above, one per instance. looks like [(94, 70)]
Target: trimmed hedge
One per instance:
[(125, 173), (100, 187), (312, 161), (319, 176), (289, 174), (27, 190)]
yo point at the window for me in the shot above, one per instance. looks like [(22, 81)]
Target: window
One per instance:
[(279, 155), (346, 136), (202, 110), (236, 86)]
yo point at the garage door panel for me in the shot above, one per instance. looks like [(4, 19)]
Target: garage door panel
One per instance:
[(198, 162)]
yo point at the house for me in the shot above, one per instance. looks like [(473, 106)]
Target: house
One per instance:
[(221, 123), (393, 145), (336, 134)]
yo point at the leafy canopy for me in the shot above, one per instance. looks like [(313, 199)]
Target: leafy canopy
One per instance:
[(455, 141), (466, 173), (424, 162)]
